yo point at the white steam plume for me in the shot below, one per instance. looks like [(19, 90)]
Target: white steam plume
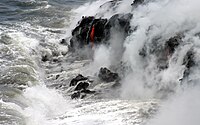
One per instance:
[(155, 19), (184, 109), (163, 19)]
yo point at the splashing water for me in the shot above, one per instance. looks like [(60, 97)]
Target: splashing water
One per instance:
[(26, 100), (162, 20)]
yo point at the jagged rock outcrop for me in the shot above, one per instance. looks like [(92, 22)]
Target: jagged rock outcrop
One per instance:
[(91, 30), (137, 2), (173, 43), (76, 95), (80, 86), (189, 62), (164, 53), (161, 52), (81, 34), (78, 78), (107, 76), (120, 22)]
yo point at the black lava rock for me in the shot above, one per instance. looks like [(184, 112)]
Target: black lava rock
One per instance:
[(45, 58), (173, 43), (86, 91), (75, 95), (81, 35), (188, 60), (137, 2), (107, 76), (78, 78), (81, 85)]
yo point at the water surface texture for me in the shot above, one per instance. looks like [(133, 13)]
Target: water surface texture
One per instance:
[(36, 92)]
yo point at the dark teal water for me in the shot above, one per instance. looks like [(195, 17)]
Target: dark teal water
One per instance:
[(27, 27), (30, 29), (40, 12)]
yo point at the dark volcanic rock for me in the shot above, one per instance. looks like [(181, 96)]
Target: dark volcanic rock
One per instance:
[(81, 85), (188, 60), (86, 91), (120, 21), (64, 42), (91, 30), (75, 95), (81, 34), (45, 58), (82, 94), (168, 50), (137, 2), (108, 76), (78, 78), (173, 43), (170, 45), (162, 52)]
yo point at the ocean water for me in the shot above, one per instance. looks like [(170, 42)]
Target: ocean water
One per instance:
[(33, 92)]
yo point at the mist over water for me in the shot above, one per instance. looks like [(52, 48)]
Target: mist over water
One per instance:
[(36, 29), (162, 20), (166, 19), (159, 19), (183, 109)]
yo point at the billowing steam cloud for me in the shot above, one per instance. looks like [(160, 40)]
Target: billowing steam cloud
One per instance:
[(183, 109), (153, 20), (167, 17), (161, 20)]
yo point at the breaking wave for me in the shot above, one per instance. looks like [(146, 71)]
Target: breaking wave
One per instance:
[(29, 88)]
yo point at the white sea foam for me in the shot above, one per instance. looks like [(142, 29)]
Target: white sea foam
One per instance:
[(164, 19)]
